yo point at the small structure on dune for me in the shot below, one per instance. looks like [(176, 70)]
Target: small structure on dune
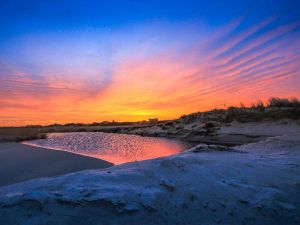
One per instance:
[(153, 120)]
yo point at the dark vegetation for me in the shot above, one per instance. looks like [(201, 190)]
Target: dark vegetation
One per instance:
[(274, 109), (103, 123)]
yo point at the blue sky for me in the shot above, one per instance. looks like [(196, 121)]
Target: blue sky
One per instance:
[(34, 16), (61, 21), (82, 56)]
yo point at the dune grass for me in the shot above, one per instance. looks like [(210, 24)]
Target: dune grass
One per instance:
[(274, 109), (272, 103)]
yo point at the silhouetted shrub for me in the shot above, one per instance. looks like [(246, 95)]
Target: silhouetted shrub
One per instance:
[(295, 102), (242, 105), (258, 106), (278, 102), (284, 103)]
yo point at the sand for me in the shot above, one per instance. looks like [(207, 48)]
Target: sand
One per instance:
[(251, 184), (21, 163)]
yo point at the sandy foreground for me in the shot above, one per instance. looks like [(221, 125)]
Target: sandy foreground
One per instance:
[(256, 183), (20, 162)]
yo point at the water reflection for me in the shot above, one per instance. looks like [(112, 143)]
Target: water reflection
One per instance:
[(116, 148)]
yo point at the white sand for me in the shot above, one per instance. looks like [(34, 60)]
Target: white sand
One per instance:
[(252, 184)]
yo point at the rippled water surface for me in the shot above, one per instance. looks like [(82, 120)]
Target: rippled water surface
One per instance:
[(115, 148)]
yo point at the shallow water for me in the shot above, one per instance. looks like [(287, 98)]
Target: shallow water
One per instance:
[(115, 148)]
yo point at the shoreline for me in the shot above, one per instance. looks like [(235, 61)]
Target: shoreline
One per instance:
[(233, 134), (22, 163), (59, 149), (231, 140), (78, 161)]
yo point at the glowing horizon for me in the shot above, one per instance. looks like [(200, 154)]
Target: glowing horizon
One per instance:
[(151, 68)]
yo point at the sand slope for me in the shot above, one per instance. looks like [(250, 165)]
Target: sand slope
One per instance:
[(253, 184), (20, 162)]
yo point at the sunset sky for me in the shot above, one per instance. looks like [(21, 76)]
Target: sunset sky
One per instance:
[(88, 61)]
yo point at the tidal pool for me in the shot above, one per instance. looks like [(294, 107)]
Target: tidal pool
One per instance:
[(115, 148)]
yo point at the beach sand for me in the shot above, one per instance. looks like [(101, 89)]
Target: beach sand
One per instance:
[(21, 163), (251, 184)]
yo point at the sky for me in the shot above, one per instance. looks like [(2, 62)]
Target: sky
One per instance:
[(90, 61)]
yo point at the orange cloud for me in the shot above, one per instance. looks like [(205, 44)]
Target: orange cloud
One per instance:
[(166, 84)]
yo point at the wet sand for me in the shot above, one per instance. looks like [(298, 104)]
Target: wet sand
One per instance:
[(21, 163)]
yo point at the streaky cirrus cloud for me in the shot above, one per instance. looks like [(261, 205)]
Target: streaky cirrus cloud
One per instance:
[(146, 71)]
